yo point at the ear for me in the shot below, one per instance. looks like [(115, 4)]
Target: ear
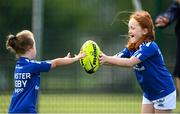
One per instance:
[(32, 48), (145, 31)]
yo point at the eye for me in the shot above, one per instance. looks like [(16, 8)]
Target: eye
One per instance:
[(132, 28)]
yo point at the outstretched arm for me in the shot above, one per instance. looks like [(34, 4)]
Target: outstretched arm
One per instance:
[(125, 62), (66, 60)]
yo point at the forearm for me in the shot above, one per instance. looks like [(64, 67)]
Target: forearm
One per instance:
[(125, 62), (63, 61), (110, 64)]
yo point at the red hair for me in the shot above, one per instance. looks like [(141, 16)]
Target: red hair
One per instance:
[(145, 21)]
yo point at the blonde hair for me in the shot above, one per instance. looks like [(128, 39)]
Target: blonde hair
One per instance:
[(21, 42)]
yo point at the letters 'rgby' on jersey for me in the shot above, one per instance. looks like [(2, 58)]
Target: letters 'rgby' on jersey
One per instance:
[(152, 74), (27, 82)]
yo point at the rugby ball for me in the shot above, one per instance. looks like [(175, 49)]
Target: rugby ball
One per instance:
[(90, 62)]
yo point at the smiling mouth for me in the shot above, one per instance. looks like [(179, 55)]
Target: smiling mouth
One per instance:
[(131, 36)]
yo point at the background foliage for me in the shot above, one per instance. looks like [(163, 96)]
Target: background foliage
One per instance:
[(67, 24)]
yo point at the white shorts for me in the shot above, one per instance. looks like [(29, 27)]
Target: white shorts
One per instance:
[(166, 103)]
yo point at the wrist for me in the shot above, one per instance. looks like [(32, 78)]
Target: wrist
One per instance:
[(76, 58), (108, 58)]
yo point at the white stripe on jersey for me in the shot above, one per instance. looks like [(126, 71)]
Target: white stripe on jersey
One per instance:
[(138, 55), (148, 44), (119, 55)]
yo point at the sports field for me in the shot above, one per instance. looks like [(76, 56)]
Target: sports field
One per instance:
[(85, 103)]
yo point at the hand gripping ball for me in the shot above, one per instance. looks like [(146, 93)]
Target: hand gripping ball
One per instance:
[(90, 63)]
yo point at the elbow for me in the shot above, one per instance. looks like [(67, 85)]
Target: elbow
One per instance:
[(132, 62), (54, 64)]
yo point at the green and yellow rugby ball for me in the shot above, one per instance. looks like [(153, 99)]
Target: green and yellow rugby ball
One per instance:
[(90, 63)]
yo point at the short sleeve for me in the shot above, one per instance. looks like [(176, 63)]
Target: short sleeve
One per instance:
[(145, 51), (40, 66), (123, 54)]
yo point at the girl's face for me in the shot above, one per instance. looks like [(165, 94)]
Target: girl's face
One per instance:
[(135, 31)]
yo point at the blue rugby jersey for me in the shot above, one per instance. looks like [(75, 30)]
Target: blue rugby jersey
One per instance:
[(152, 74), (27, 82)]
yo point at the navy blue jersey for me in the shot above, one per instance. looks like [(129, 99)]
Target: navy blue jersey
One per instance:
[(151, 73), (172, 13), (27, 83)]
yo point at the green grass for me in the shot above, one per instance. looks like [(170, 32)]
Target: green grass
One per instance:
[(90, 103), (85, 103)]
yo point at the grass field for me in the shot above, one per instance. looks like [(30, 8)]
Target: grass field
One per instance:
[(85, 103)]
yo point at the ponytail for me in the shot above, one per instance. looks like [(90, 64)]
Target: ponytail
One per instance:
[(11, 43), (20, 43)]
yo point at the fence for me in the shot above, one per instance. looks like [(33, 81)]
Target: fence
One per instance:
[(67, 25)]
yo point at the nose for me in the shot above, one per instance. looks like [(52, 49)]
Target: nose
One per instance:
[(129, 31)]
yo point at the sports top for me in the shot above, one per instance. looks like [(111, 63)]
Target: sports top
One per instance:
[(27, 83), (151, 73)]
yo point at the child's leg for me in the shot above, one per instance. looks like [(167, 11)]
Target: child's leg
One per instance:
[(178, 86), (147, 106), (147, 109)]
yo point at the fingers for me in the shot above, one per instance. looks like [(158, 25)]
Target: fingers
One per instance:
[(102, 54), (68, 55), (160, 25), (83, 55), (161, 21), (80, 55), (102, 58)]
